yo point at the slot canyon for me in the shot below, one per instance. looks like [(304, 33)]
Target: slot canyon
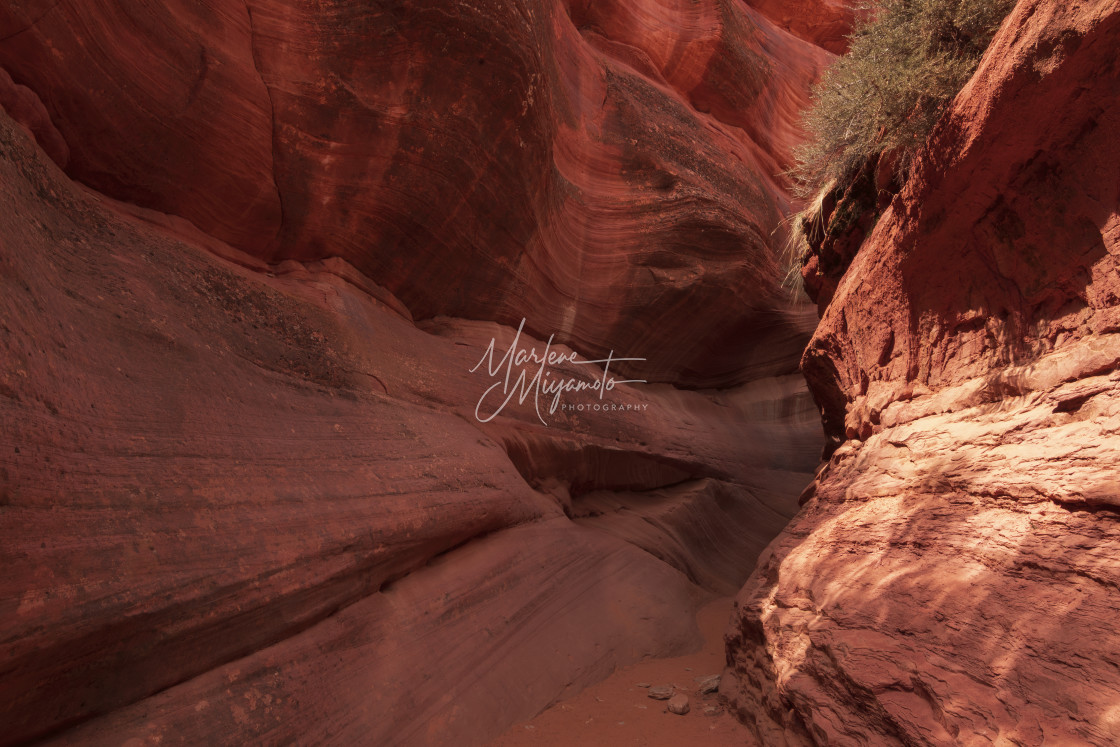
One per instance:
[(381, 372)]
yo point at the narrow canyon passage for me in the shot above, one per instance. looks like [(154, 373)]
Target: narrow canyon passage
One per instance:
[(334, 542), (264, 477), (413, 372)]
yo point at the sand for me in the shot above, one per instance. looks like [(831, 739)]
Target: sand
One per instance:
[(617, 711)]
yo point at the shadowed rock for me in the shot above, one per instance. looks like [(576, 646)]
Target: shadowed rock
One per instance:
[(601, 169)]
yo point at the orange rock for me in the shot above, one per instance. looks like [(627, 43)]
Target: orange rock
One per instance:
[(953, 575), (245, 497), (826, 23), (602, 169), (245, 502)]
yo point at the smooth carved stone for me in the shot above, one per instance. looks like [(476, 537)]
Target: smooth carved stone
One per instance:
[(604, 169), (826, 23), (245, 494), (226, 484), (22, 105)]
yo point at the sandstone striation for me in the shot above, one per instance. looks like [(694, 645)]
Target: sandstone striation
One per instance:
[(826, 23), (244, 490), (952, 577), (262, 494), (602, 169), (245, 494)]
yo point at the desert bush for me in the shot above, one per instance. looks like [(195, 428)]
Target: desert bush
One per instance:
[(904, 64), (870, 114)]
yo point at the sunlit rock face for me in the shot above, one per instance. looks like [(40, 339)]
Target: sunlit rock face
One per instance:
[(953, 575), (602, 169), (246, 489), (826, 23)]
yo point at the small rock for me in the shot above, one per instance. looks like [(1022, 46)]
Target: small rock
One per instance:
[(709, 684), (643, 684), (661, 692), (710, 710), (678, 704)]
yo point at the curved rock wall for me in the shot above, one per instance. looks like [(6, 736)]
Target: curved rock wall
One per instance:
[(253, 503), (826, 23), (599, 168), (952, 577), (243, 490)]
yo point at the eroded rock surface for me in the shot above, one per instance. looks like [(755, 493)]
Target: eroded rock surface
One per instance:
[(244, 492), (601, 169), (826, 23), (953, 575), (255, 501)]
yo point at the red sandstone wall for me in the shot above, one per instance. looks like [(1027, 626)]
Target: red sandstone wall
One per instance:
[(952, 577)]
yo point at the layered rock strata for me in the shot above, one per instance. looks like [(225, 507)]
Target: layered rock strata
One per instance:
[(952, 577), (245, 493)]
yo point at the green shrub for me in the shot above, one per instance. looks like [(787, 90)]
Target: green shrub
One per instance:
[(902, 68)]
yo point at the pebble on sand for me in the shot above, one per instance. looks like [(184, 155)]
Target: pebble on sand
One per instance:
[(678, 704), (708, 685)]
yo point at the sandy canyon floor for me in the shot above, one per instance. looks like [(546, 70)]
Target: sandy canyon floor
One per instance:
[(619, 711)]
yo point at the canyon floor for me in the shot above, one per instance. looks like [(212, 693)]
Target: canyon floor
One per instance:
[(619, 711)]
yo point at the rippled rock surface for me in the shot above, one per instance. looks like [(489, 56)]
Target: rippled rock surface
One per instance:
[(601, 169), (245, 494)]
